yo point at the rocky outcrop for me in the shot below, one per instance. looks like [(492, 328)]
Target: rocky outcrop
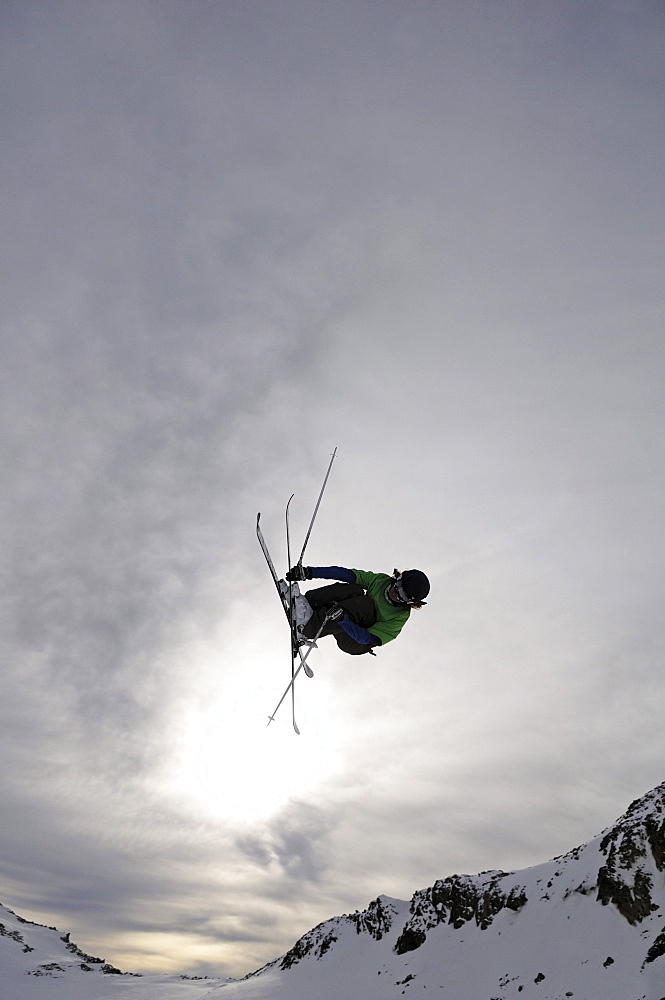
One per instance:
[(455, 900), (15, 936), (632, 897), (376, 921), (315, 944), (633, 848), (458, 900)]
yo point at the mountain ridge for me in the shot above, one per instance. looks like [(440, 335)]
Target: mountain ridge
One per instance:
[(589, 925), (619, 872)]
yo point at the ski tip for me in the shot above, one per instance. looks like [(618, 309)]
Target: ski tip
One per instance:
[(297, 731)]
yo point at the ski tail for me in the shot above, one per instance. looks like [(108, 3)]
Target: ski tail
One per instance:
[(302, 665)]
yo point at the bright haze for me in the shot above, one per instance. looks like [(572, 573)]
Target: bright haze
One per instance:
[(236, 235)]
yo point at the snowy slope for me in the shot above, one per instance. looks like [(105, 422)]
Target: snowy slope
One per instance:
[(589, 925), (41, 963)]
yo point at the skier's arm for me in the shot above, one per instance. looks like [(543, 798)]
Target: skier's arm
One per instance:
[(357, 632), (332, 573)]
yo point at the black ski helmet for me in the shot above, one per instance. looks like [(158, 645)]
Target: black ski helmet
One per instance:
[(416, 585)]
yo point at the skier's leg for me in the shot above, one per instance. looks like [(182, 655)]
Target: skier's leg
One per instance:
[(350, 596), (310, 629), (361, 610), (333, 593), (347, 644)]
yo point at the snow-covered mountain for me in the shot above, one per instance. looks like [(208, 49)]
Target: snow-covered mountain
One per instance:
[(41, 963), (588, 925)]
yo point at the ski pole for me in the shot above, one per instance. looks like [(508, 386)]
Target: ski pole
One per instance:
[(309, 530)]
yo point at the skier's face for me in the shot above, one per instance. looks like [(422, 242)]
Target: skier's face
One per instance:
[(398, 594)]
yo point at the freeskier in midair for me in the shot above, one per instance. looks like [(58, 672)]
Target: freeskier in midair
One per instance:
[(363, 610)]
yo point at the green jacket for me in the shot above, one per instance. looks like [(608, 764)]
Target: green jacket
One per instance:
[(389, 619)]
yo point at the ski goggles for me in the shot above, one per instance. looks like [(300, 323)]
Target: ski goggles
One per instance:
[(401, 592)]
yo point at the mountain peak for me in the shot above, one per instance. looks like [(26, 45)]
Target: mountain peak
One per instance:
[(590, 922)]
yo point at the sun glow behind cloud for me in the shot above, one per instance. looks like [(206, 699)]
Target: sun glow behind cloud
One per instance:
[(231, 775), (230, 763)]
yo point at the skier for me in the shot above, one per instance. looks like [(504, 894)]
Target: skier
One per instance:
[(364, 609)]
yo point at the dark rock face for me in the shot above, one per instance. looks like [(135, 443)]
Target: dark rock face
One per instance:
[(409, 940), (458, 900), (632, 901), (316, 942), (656, 837), (15, 936), (630, 846), (75, 950), (376, 920), (657, 949)]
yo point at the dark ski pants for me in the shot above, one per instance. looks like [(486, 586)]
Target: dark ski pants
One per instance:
[(359, 607)]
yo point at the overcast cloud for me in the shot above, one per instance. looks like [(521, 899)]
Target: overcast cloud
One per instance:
[(236, 235)]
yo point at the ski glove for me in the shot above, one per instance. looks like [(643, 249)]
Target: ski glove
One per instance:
[(299, 573), (334, 613)]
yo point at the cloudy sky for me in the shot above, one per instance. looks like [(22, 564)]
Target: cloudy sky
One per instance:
[(237, 234)]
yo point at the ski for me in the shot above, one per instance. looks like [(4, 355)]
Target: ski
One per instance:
[(291, 684), (276, 581)]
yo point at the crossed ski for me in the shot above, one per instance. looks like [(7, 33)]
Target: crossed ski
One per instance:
[(291, 685), (288, 603)]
